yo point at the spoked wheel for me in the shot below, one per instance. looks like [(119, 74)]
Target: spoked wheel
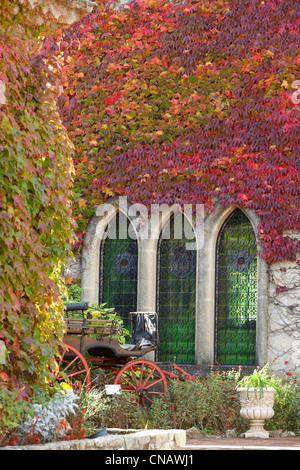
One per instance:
[(73, 367), (143, 378), (101, 373)]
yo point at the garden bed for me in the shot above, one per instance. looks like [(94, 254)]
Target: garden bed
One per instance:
[(208, 404)]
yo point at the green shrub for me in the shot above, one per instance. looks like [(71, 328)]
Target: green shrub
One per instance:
[(160, 414), (209, 404), (286, 405), (12, 410), (123, 411), (119, 411), (93, 402)]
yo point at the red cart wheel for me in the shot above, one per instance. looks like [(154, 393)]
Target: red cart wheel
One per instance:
[(73, 367), (101, 372), (144, 378)]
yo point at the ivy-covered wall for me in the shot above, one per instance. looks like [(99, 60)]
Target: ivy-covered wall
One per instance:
[(36, 174), (192, 102)]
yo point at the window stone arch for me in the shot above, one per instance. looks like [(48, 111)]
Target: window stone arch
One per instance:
[(236, 292), (102, 229), (205, 279), (205, 333), (176, 292), (118, 267)]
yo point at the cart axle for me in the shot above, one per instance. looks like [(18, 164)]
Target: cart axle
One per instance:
[(141, 391)]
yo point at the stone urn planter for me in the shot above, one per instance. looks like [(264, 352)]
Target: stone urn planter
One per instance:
[(257, 406), (257, 394)]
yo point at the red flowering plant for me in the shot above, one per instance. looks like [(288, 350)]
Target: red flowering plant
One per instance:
[(76, 428), (292, 378), (33, 437)]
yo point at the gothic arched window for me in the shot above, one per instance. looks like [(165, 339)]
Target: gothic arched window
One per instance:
[(236, 292), (176, 294), (118, 268)]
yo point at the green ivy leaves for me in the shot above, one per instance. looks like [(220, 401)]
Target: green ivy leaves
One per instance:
[(35, 217)]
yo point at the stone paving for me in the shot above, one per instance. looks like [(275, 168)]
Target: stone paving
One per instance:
[(239, 443)]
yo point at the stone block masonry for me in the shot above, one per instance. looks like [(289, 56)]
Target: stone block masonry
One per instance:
[(171, 439), (284, 323)]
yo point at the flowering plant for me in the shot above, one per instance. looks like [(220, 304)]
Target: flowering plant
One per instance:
[(49, 421), (260, 379)]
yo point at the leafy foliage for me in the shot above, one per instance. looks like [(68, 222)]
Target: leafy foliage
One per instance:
[(45, 418), (35, 217), (187, 103), (102, 312), (259, 380), (210, 404), (12, 411)]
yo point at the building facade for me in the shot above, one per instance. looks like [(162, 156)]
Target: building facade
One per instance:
[(217, 301)]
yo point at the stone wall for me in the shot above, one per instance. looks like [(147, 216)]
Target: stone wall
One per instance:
[(278, 297), (284, 317), (140, 440), (57, 13), (47, 16)]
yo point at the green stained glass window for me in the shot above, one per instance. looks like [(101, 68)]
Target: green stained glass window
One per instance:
[(236, 292), (118, 268), (176, 296)]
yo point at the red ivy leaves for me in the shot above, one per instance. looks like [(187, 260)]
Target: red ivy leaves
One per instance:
[(188, 103), (35, 218)]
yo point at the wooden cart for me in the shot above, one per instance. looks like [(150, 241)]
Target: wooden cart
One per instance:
[(92, 356)]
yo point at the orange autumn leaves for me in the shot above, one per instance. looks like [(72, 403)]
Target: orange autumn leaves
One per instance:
[(205, 86)]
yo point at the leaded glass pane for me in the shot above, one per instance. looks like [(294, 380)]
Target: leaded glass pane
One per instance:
[(118, 268), (176, 299), (236, 292)]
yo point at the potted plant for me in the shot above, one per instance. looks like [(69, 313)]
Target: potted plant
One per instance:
[(256, 393)]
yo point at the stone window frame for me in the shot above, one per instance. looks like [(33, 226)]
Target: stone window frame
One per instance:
[(205, 277), (205, 328)]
